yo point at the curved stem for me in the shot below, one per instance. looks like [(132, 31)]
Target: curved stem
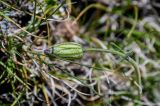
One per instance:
[(130, 60), (138, 75), (99, 6)]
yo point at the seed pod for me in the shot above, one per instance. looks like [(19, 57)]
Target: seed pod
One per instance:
[(68, 51)]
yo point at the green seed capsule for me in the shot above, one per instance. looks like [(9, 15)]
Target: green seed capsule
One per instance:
[(68, 50)]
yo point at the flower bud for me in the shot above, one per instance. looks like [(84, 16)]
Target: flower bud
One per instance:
[(68, 51)]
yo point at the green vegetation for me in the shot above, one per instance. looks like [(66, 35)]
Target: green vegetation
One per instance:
[(114, 60)]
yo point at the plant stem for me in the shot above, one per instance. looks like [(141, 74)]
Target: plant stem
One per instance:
[(138, 76), (129, 59), (105, 50)]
